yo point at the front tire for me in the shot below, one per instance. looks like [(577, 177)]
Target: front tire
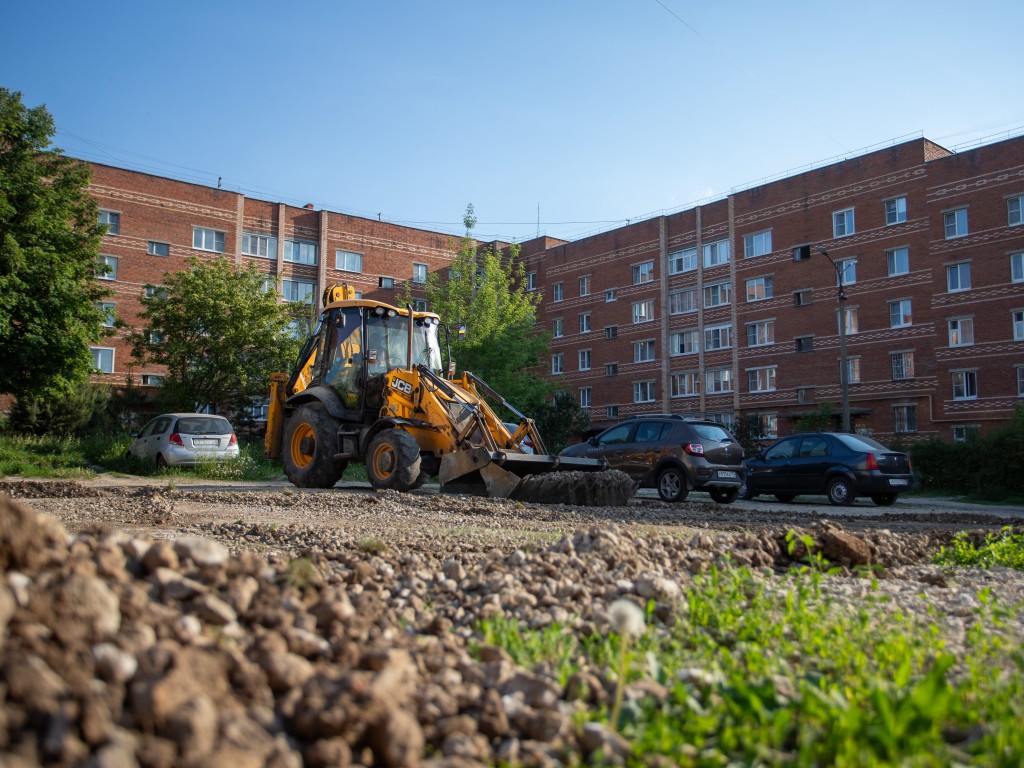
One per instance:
[(672, 485), (884, 499), (393, 461), (746, 493), (310, 442), (840, 492), (724, 495)]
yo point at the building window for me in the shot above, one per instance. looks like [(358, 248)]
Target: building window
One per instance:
[(961, 332), (802, 298), (805, 394), (585, 285), (842, 223), (388, 283), (643, 272), (112, 220), (557, 291), (611, 369), (154, 292), (611, 411), (585, 399), (102, 359), (904, 418), (682, 301), (531, 281), (1013, 211), (718, 381), (681, 261), (895, 211), (1017, 267), (611, 331), (761, 379), (207, 240), (419, 305), (297, 291), (106, 268), (898, 260), (643, 391), (965, 385), (802, 253), (109, 314), (643, 311), (768, 423), (685, 384), (584, 359), (585, 322), (684, 343), (419, 273), (263, 246), (902, 366), (155, 248), (1018, 325), (958, 277), (557, 363), (643, 351), (847, 272), (852, 324), (804, 343), (761, 333), (300, 252), (759, 288), (757, 244), (955, 223), (557, 329), (609, 295), (717, 337), (900, 313), (348, 261), (717, 294), (153, 380), (964, 432), (852, 370), (1020, 381), (716, 253)]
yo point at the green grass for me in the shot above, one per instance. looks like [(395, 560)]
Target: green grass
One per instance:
[(786, 677), (1005, 548)]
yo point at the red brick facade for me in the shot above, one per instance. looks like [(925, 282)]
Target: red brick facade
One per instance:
[(723, 309)]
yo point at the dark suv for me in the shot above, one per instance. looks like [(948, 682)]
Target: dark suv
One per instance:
[(674, 454)]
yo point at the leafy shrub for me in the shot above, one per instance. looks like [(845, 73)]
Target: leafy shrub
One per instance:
[(60, 415)]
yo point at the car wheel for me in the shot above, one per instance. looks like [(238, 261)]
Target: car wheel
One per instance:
[(884, 499), (672, 485), (393, 461), (161, 462), (746, 493), (839, 491), (309, 444), (724, 495), (785, 498)]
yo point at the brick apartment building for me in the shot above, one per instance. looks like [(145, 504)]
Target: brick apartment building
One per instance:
[(721, 310)]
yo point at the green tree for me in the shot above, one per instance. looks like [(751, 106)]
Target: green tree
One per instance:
[(49, 246), (486, 291), (218, 332)]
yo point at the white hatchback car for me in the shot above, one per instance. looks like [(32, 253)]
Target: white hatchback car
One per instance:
[(184, 439)]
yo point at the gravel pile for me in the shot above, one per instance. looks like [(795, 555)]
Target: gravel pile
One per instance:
[(243, 641)]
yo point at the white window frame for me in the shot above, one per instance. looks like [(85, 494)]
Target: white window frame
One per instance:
[(348, 261), (954, 223), (901, 313), (611, 411), (678, 306), (419, 273), (1015, 211), (1017, 267), (958, 277), (260, 246), (717, 337), (609, 296), (557, 364), (611, 369), (761, 379), (206, 239), (843, 223), (852, 324), (611, 331), (107, 261), (685, 342), (966, 382), (847, 274), (531, 281), (760, 288), (585, 285), (718, 381), (893, 261), (643, 311), (558, 291), (895, 210), (112, 220), (586, 397), (1020, 380), (683, 260), (716, 253), (1017, 320), (761, 329), (643, 351), (643, 272), (557, 327), (852, 369), (961, 331), (584, 359), (301, 252), (153, 248), (757, 244), (109, 310), (98, 355), (685, 384), (902, 365), (420, 305), (585, 322), (292, 291), (717, 294), (643, 391)]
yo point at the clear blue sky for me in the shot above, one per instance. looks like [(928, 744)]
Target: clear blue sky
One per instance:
[(598, 111)]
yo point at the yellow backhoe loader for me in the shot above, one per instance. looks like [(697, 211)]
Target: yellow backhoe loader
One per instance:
[(368, 387)]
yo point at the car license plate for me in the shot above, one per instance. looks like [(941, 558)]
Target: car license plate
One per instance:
[(725, 475), (897, 481), (205, 441)]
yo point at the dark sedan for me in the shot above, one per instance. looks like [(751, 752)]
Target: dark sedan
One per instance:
[(839, 465)]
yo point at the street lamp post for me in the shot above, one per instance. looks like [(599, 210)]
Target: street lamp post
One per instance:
[(844, 365)]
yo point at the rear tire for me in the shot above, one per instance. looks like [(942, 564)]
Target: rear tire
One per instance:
[(161, 462), (672, 485), (746, 493), (785, 498), (840, 492), (724, 495), (884, 499), (393, 461), (308, 448)]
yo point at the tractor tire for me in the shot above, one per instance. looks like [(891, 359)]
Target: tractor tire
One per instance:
[(840, 492), (308, 448), (723, 495), (393, 461), (672, 485)]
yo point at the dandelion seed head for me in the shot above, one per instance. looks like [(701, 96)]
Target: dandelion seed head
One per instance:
[(627, 618)]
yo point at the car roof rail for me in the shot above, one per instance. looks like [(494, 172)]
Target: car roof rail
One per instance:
[(657, 416)]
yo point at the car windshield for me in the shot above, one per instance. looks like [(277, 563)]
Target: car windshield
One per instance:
[(204, 425), (861, 443)]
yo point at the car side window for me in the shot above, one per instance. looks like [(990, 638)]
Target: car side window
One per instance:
[(618, 434), (813, 447), (649, 432), (783, 450)]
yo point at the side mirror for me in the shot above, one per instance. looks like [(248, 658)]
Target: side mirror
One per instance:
[(593, 440), (760, 454)]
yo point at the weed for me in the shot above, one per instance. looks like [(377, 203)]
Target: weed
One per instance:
[(372, 545), (1005, 548)]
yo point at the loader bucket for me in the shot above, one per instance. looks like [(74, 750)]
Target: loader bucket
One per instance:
[(535, 478)]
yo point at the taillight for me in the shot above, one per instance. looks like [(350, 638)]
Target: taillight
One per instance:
[(872, 461), (694, 449), (233, 440), (175, 439)]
